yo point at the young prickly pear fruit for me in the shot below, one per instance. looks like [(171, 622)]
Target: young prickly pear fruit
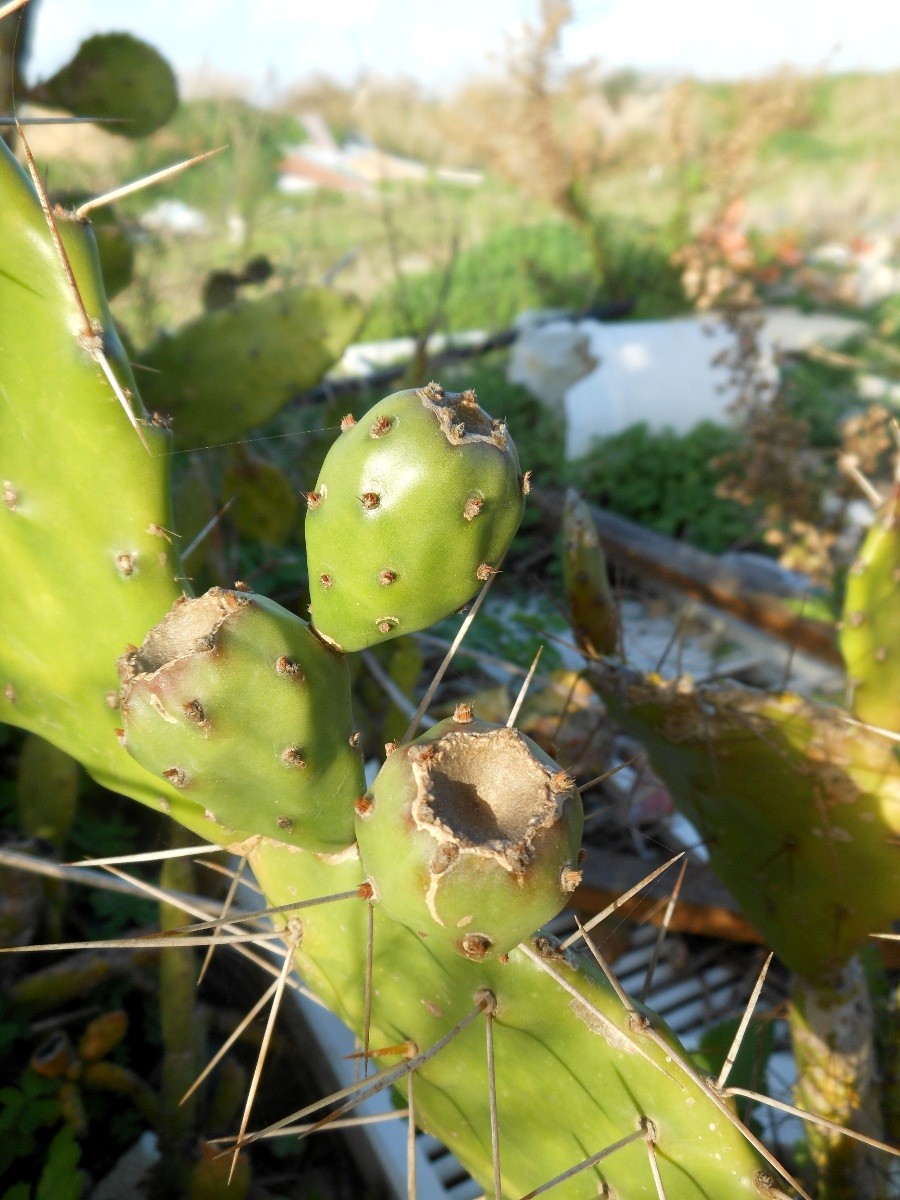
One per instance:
[(595, 619), (235, 702), (490, 829), (871, 621), (414, 508)]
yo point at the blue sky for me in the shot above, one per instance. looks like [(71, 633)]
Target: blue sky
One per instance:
[(286, 39)]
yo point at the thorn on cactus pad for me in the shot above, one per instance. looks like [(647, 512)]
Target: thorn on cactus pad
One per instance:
[(125, 564), (380, 427), (476, 946), (473, 507), (326, 581), (285, 823), (370, 500), (193, 710), (364, 806), (562, 781), (367, 891), (485, 571), (314, 499), (570, 879), (389, 748), (386, 624), (464, 713), (387, 577), (175, 776), (293, 757), (287, 666), (347, 422)]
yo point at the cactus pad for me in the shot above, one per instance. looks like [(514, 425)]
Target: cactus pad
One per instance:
[(491, 829), (230, 668), (871, 621), (800, 811), (592, 609), (415, 506), (234, 368), (114, 75)]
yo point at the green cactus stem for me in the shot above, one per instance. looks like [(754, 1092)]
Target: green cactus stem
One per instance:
[(414, 509)]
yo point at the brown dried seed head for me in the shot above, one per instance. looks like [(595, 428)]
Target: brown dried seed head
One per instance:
[(569, 880), (370, 500), (473, 507), (176, 777), (326, 581), (293, 757), (125, 564), (386, 577), (476, 945), (347, 422), (380, 427), (464, 713), (287, 666), (485, 571), (364, 806), (525, 483), (313, 499), (285, 823)]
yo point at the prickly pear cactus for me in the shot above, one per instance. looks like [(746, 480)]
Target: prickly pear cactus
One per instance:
[(871, 620), (591, 1093), (799, 810), (413, 511), (592, 608), (233, 368), (492, 829)]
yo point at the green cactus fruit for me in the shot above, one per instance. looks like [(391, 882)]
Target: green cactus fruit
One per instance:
[(799, 809), (114, 75), (229, 669), (415, 506), (236, 367), (871, 621), (592, 609), (491, 830)]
